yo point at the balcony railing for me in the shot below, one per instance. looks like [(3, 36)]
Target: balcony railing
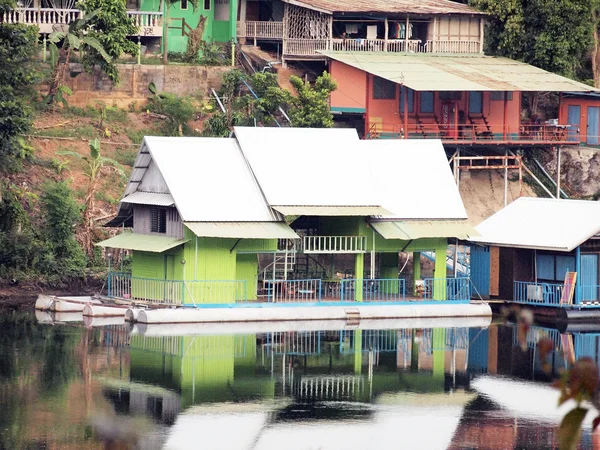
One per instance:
[(291, 291), (548, 294), (477, 133), (260, 30), (454, 289), (176, 292), (50, 19), (334, 244), (375, 290)]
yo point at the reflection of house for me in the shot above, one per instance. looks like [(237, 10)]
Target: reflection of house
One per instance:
[(203, 208), (526, 249), (304, 28), (461, 99)]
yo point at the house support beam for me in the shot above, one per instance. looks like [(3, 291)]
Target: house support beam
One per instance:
[(578, 270), (405, 130), (506, 180), (359, 272), (537, 180), (439, 273), (416, 270), (558, 172), (385, 37)]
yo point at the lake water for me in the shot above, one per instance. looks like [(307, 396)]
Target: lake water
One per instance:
[(66, 384)]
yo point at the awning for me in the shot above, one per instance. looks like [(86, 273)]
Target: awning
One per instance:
[(300, 210), (149, 198), (468, 72), (242, 230), (143, 242), (407, 230)]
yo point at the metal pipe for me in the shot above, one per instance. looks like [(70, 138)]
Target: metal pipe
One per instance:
[(506, 180), (558, 172), (537, 163), (530, 173)]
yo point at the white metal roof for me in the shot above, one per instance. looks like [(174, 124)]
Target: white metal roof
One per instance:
[(209, 180), (308, 166), (149, 198), (412, 178), (541, 223), (249, 230), (330, 210)]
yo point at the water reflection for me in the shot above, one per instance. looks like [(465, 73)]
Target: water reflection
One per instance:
[(72, 385)]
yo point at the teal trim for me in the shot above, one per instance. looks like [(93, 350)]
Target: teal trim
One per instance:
[(344, 109)]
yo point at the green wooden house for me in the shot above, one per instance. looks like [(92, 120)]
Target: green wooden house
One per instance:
[(202, 210)]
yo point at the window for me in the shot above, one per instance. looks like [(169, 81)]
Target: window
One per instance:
[(206, 5), (158, 220), (475, 102), (404, 91), (554, 267), (497, 96), (427, 102), (184, 4), (450, 95), (383, 89)]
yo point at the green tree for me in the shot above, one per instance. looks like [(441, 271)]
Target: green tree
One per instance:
[(109, 26), (17, 76), (95, 164), (76, 37), (61, 214), (553, 35), (310, 107)]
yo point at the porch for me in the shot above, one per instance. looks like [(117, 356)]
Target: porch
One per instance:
[(554, 295), (478, 132), (49, 20), (311, 292)]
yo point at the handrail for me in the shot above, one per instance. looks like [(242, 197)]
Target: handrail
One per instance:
[(334, 244)]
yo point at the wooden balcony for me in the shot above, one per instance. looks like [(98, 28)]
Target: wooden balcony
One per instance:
[(49, 20), (477, 134), (260, 30)]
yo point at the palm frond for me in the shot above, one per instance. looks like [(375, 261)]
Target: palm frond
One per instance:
[(96, 45)]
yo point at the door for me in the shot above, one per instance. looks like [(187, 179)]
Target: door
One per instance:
[(448, 119), (573, 119), (589, 278), (592, 125), (480, 271)]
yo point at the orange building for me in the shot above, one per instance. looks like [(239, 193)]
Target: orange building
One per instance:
[(581, 112), (461, 99)]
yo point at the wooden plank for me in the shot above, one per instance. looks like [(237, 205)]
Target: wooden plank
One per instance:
[(569, 288), (494, 271)]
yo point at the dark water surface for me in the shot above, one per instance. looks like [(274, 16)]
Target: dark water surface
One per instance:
[(66, 384)]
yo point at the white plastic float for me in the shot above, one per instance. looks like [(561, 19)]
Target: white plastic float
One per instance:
[(294, 313), (64, 304), (104, 311)]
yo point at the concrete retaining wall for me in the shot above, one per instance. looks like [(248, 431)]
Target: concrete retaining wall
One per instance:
[(176, 79)]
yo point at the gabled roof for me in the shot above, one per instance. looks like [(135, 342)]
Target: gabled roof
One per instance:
[(209, 180), (541, 223), (453, 72), (413, 178), (420, 7)]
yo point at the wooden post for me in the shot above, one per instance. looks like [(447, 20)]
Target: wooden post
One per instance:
[(330, 31), (385, 38), (367, 98), (406, 34), (481, 37), (455, 121), (558, 172), (505, 113), (434, 41), (560, 97), (520, 177), (405, 133), (506, 177)]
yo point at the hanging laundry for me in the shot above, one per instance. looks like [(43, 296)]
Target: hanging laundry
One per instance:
[(351, 28)]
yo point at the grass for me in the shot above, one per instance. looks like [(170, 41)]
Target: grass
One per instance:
[(137, 136), (125, 156), (81, 131)]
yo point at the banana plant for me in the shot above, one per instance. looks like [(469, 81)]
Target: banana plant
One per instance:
[(73, 39)]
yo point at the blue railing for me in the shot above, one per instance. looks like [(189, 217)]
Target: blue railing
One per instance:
[(548, 294), (176, 292), (291, 291), (455, 289), (373, 290)]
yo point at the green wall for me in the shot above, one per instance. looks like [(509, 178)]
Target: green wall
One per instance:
[(214, 30), (247, 269)]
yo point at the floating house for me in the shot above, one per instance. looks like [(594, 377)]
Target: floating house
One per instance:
[(462, 99), (524, 252), (202, 210)]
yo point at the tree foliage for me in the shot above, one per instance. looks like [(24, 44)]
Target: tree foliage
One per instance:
[(109, 25), (17, 76), (553, 35), (310, 107)]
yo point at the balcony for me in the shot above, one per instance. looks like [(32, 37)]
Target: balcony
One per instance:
[(334, 244), (260, 30), (478, 134), (49, 20)]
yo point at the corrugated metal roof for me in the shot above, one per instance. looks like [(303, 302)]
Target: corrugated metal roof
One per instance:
[(412, 178), (468, 72), (541, 223), (209, 180), (331, 210), (424, 229), (149, 198), (308, 166), (143, 242), (242, 230), (387, 6)]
